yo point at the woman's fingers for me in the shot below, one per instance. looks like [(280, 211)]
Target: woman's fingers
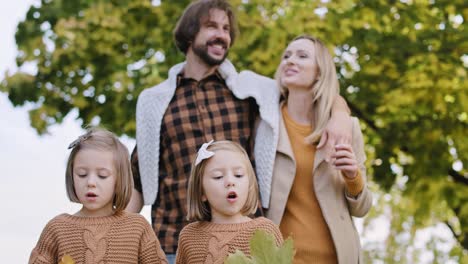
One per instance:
[(345, 160)]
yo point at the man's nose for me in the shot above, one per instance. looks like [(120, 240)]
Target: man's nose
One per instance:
[(222, 33)]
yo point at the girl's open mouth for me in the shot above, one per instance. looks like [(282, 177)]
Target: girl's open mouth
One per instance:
[(232, 196)]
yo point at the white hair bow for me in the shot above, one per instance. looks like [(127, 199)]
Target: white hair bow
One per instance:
[(203, 153)]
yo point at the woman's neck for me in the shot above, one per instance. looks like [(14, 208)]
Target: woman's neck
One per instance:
[(299, 105)]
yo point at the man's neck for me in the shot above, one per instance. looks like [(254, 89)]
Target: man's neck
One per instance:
[(197, 69)]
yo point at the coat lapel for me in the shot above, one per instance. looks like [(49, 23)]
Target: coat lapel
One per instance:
[(284, 145), (319, 158)]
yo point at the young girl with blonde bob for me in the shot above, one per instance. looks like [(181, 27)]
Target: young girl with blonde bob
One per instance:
[(99, 177), (222, 193)]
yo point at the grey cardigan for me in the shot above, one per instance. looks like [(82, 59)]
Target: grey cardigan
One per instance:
[(153, 102)]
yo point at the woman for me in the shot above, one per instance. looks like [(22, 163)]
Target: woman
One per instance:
[(313, 200)]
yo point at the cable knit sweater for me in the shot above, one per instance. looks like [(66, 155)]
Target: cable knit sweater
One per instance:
[(206, 242), (120, 238)]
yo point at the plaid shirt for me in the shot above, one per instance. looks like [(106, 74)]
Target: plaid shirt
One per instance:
[(198, 112)]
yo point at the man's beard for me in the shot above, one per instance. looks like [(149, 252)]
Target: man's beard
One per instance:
[(202, 52)]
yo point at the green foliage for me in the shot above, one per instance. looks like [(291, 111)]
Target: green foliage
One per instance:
[(402, 68), (264, 251)]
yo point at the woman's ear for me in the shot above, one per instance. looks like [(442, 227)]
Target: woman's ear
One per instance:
[(203, 198)]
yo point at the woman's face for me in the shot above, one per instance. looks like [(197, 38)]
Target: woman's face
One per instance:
[(298, 68)]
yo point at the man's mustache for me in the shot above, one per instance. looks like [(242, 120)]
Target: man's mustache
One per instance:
[(217, 41)]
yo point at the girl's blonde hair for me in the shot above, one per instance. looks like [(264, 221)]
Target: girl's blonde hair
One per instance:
[(199, 210), (103, 140), (324, 89)]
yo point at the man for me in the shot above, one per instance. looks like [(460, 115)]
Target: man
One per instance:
[(203, 98)]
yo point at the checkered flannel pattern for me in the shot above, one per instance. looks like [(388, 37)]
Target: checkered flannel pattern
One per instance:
[(198, 112)]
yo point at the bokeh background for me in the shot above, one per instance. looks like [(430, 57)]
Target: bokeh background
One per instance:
[(402, 67)]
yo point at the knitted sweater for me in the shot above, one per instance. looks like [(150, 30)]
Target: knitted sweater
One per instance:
[(120, 238), (206, 242)]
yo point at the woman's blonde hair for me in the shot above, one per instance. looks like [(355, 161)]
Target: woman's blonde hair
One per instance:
[(103, 140), (199, 210), (324, 89)]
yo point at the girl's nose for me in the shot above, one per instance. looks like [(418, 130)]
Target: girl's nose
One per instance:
[(91, 181), (229, 181)]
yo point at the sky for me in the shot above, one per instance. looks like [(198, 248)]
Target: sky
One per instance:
[(32, 167)]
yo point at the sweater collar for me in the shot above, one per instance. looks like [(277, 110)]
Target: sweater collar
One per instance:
[(84, 220)]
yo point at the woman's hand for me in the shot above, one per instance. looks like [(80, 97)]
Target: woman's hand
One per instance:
[(345, 160)]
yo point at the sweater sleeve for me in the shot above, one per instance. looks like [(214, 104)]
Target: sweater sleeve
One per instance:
[(150, 251), (180, 254), (360, 205), (355, 185), (46, 249), (273, 229)]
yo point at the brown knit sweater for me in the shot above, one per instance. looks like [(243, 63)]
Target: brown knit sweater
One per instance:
[(120, 238), (206, 242)]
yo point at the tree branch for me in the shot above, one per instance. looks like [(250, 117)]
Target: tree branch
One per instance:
[(461, 239), (458, 177), (361, 115)]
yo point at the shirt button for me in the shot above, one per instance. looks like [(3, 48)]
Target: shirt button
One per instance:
[(342, 217)]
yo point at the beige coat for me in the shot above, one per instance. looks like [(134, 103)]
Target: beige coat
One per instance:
[(337, 207)]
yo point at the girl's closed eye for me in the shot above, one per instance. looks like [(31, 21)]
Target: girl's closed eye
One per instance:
[(104, 173), (81, 173)]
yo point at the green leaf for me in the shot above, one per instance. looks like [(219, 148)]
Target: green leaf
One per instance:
[(238, 258), (264, 251)]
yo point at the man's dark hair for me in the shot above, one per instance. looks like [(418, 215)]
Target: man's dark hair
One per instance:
[(189, 23)]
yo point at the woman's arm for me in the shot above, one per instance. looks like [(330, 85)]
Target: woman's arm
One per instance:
[(338, 129), (350, 160)]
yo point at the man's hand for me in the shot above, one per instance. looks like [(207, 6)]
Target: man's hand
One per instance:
[(337, 131)]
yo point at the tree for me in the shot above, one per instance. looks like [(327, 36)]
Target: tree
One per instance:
[(402, 68)]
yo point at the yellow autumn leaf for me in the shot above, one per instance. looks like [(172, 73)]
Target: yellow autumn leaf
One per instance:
[(66, 259)]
